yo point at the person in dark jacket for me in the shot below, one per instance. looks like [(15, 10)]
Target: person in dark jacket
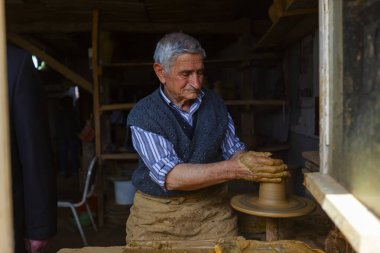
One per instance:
[(33, 174)]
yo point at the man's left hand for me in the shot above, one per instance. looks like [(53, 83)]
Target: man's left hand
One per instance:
[(264, 169)]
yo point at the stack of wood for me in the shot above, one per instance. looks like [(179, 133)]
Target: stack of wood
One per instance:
[(116, 215), (311, 161), (279, 7), (336, 242)]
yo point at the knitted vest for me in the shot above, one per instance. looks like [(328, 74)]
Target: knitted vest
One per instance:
[(153, 115)]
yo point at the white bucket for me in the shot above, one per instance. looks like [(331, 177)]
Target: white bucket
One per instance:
[(124, 192)]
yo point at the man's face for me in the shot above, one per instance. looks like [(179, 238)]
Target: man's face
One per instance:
[(184, 82)]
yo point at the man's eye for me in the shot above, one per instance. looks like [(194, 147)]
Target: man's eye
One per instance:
[(200, 73)]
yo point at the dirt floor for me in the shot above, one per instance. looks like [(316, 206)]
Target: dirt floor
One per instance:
[(311, 229), (111, 234)]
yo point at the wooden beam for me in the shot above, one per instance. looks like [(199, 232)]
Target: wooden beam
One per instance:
[(252, 102), (112, 107), (255, 58), (256, 102), (6, 227), (301, 4), (290, 27), (95, 76), (96, 72), (49, 27), (53, 63), (274, 148), (120, 156), (237, 27), (88, 5), (272, 229)]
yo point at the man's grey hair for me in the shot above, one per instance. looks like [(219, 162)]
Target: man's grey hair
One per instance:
[(173, 45)]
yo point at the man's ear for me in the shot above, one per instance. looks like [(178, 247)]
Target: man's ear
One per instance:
[(160, 72)]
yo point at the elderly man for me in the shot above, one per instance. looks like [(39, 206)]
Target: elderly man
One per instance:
[(188, 148)]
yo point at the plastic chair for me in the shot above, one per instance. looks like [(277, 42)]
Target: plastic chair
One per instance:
[(88, 191)]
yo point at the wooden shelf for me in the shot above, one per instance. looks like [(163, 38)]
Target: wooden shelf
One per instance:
[(111, 107), (120, 156), (255, 57), (274, 148), (290, 27), (312, 156), (256, 102), (127, 64), (301, 4)]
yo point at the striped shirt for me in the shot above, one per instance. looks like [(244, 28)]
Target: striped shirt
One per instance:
[(158, 153)]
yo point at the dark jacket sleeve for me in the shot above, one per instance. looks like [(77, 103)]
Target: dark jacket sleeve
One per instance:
[(33, 142)]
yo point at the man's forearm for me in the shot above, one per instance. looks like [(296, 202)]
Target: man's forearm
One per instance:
[(197, 176), (253, 166)]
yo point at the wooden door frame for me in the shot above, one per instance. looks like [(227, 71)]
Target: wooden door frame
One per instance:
[(6, 219)]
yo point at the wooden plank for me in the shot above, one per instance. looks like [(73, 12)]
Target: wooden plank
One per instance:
[(30, 13), (128, 106), (256, 102), (6, 227), (49, 27), (126, 6), (120, 156), (112, 107), (312, 156), (53, 63), (290, 27), (95, 76), (128, 64), (96, 107), (311, 166), (300, 12), (357, 223), (82, 5), (236, 27), (274, 148), (330, 75), (259, 57), (272, 231), (301, 4)]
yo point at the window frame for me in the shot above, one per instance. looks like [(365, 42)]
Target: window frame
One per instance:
[(360, 226)]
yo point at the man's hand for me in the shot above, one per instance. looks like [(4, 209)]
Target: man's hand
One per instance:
[(263, 168), (35, 246)]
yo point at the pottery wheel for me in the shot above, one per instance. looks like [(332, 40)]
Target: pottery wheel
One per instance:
[(272, 202), (295, 206)]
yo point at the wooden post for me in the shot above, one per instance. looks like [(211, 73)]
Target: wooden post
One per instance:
[(95, 76), (6, 219), (96, 72), (272, 229), (246, 90)]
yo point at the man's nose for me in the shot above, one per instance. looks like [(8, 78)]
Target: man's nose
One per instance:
[(196, 80)]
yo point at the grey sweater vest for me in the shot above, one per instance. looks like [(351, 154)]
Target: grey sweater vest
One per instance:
[(153, 114)]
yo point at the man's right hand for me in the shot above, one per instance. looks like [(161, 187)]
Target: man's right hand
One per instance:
[(263, 168)]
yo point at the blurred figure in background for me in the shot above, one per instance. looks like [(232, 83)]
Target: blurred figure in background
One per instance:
[(68, 131)]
